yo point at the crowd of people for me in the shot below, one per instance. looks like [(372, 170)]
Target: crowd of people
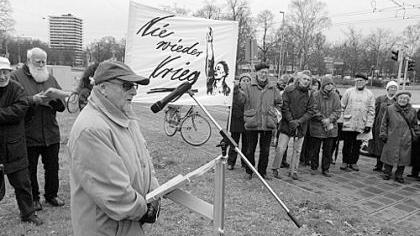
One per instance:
[(302, 112), (110, 167)]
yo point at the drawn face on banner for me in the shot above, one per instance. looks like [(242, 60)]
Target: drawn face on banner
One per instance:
[(219, 71)]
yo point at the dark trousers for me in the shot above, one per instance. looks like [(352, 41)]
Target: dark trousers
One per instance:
[(305, 154), (22, 185), (232, 153), (351, 147), (327, 145), (398, 173), (265, 139), (49, 156), (379, 163)]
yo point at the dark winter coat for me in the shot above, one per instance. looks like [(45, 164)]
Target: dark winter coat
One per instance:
[(237, 116), (397, 149), (381, 103), (13, 106), (298, 104), (415, 155), (327, 105), (259, 105), (41, 126)]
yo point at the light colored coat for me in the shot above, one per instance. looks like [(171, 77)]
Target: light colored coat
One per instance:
[(358, 109), (110, 171), (397, 149)]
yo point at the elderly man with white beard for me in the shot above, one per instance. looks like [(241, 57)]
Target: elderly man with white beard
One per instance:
[(41, 127)]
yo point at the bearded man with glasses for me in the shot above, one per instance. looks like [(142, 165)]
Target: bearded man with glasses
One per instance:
[(41, 127), (111, 170)]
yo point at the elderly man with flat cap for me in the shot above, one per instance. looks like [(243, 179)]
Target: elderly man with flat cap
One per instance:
[(111, 170), (358, 104)]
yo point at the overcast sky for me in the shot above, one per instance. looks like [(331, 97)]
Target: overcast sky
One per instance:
[(110, 17)]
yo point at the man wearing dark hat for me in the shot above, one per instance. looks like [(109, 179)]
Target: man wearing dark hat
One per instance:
[(399, 119), (358, 104), (111, 170), (260, 99)]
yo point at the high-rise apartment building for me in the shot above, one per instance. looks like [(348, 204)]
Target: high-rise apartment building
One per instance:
[(66, 33)]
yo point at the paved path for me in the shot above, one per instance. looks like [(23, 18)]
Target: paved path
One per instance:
[(367, 191)]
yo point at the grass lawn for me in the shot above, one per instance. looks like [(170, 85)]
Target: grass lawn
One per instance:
[(249, 208)]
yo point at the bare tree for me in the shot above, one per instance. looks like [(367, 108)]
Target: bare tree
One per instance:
[(265, 21), (209, 11), (6, 20), (353, 51), (239, 10), (411, 39), (6, 25), (175, 9), (307, 18)]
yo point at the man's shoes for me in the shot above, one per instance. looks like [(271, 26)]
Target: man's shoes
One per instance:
[(57, 202), (313, 172), (266, 177), (413, 176), (386, 177), (276, 174), (377, 169), (37, 205), (284, 165), (33, 219), (248, 176), (399, 180), (345, 167), (326, 173), (230, 167), (295, 176), (354, 167)]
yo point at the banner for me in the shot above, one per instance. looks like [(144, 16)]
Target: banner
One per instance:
[(171, 49)]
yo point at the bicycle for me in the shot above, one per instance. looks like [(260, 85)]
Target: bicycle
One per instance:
[(77, 100), (194, 128)]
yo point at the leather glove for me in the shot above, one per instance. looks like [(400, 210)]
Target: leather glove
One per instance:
[(366, 130), (294, 124), (152, 213)]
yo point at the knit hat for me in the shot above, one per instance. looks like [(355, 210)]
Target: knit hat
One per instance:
[(325, 81), (403, 92), (361, 75), (391, 83), (261, 66)]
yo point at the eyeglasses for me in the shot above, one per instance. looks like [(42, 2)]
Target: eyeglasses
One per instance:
[(125, 84)]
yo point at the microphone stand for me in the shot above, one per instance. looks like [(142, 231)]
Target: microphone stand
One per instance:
[(227, 140)]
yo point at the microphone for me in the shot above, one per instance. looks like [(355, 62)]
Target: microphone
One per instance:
[(181, 89)]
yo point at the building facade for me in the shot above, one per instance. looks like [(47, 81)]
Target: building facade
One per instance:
[(66, 34)]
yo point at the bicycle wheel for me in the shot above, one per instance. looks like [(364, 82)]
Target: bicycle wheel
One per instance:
[(195, 130), (171, 122), (72, 103)]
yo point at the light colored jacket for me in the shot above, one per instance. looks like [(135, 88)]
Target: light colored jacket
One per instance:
[(358, 109), (110, 171), (260, 105)]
